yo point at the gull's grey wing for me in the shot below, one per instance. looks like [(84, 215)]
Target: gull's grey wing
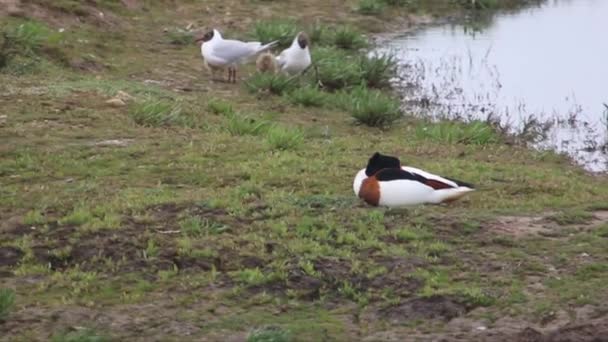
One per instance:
[(233, 51)]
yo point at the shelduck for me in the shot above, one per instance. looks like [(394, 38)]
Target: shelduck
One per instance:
[(384, 182)]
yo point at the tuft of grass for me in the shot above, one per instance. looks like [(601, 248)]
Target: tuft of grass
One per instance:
[(377, 69), (7, 301), (158, 113), (85, 335), (348, 38), (282, 30), (571, 217), (25, 39), (33, 217), (370, 7), (283, 138), (602, 230), (269, 334), (267, 83), (220, 107), (307, 96), (371, 107), (195, 226), (474, 297), (471, 133), (78, 216), (242, 125), (180, 37), (337, 69)]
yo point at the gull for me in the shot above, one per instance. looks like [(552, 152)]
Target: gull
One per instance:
[(296, 58), (220, 53)]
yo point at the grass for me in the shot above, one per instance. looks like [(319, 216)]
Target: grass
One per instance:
[(337, 69), (572, 217), (227, 211), (282, 31), (267, 83), (269, 334), (348, 38), (283, 138), (377, 70), (242, 125), (158, 113), (472, 133), (85, 335), (370, 7), (308, 96), (23, 45), (372, 107), (7, 301)]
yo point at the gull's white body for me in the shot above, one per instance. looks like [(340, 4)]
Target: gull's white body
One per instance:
[(405, 192), (294, 59), (221, 53)]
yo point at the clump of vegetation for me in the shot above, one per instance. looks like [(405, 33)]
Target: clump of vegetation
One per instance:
[(269, 334), (377, 70), (243, 125), (283, 138), (85, 335), (348, 38), (282, 30), (157, 113), (452, 132), (371, 107), (572, 217), (220, 107), (370, 7), (308, 96), (267, 83), (180, 37), (195, 226), (337, 69), (7, 301), (25, 43)]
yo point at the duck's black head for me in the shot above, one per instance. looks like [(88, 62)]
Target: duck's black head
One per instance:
[(379, 161)]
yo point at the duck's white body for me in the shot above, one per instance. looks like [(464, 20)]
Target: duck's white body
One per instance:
[(294, 59), (406, 192)]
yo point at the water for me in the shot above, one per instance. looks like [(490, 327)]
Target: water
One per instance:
[(546, 64)]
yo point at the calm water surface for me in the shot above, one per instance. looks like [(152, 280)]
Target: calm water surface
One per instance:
[(548, 63)]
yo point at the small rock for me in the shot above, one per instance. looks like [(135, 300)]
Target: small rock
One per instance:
[(190, 26), (116, 102), (584, 255), (3, 119), (481, 328)]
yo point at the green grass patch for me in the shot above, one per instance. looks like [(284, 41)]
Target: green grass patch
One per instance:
[(269, 334), (370, 7), (268, 83), (81, 335), (243, 125), (348, 38), (282, 30), (571, 217), (159, 113), (7, 301), (307, 96), (180, 37), (284, 138), (377, 69), (473, 133), (371, 107)]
